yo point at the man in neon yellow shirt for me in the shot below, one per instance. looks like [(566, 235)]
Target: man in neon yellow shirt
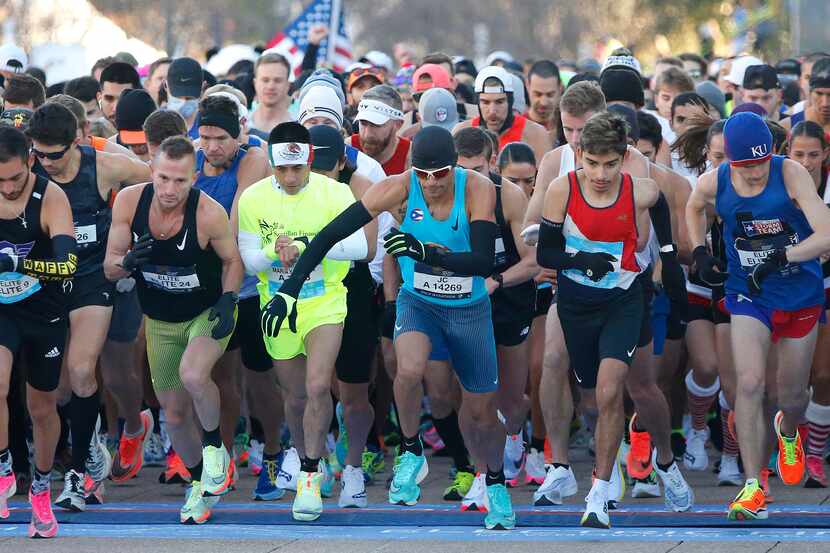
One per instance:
[(278, 216)]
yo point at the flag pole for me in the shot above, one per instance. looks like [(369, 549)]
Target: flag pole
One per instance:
[(334, 29)]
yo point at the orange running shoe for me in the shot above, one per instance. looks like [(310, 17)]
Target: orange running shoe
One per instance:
[(130, 456), (763, 481), (750, 504), (548, 452), (232, 474), (175, 472), (790, 462), (638, 459)]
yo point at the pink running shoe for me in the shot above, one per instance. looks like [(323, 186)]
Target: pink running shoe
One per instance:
[(44, 524), (8, 487)]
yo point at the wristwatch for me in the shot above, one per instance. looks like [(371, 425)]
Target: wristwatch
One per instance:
[(499, 278)]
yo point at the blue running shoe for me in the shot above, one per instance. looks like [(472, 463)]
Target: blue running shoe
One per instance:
[(341, 447), (328, 480), (409, 472), (500, 516), (266, 486)]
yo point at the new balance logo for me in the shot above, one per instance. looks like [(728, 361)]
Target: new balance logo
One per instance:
[(54, 352)]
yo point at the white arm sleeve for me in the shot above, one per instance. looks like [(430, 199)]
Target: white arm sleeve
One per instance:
[(352, 248), (250, 248)]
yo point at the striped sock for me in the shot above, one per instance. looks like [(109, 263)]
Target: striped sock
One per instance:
[(730, 444), (818, 422), (700, 400)]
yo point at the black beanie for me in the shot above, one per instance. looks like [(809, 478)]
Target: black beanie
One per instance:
[(622, 85)]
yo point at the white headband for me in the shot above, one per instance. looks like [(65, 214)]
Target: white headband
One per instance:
[(290, 153), (243, 110), (374, 106)]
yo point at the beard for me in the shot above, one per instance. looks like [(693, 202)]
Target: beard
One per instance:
[(373, 146)]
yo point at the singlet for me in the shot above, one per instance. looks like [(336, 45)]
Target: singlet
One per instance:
[(397, 163), (513, 302), (513, 134), (753, 227), (435, 284), (265, 210), (611, 229), (22, 295), (91, 214), (181, 279), (796, 118), (567, 160)]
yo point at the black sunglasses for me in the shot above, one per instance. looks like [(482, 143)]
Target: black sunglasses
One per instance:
[(54, 156)]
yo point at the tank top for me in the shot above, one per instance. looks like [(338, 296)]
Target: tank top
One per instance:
[(755, 226), (181, 279), (91, 214), (567, 160), (513, 134), (434, 284), (22, 295), (397, 163), (611, 229), (796, 118), (514, 302)]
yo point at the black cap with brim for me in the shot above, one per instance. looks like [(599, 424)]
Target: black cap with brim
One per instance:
[(184, 78)]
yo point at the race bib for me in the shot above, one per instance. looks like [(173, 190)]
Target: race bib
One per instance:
[(440, 283), (173, 280), (314, 285), (86, 234), (15, 287), (753, 252)]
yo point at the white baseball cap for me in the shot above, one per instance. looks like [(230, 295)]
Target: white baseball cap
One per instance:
[(379, 59), (494, 72), (739, 65), (13, 58)]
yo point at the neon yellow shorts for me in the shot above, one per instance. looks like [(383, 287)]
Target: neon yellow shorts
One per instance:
[(326, 310)]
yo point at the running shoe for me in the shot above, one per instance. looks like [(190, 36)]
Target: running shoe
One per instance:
[(750, 504), (99, 461), (763, 481), (308, 503), (8, 487), (93, 491), (327, 485), (154, 454), (266, 486), (256, 450), (240, 449), (175, 472), (514, 458), (352, 488), (695, 457), (596, 511), (341, 446), (408, 473), (433, 440), (43, 524), (678, 444), (647, 488), (130, 457), (461, 484), (616, 489), (72, 496), (679, 496), (790, 464), (559, 484), (233, 475), (500, 515), (289, 470), (638, 460), (216, 477), (476, 498), (729, 473), (622, 455), (535, 472), (815, 473), (197, 506), (372, 463)]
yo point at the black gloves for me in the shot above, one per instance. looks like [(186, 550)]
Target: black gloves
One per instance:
[(139, 254), (274, 313), (594, 265), (776, 260), (711, 270), (224, 311)]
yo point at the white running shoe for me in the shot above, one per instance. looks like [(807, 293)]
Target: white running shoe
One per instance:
[(476, 498), (256, 450), (679, 496), (514, 458), (154, 454), (560, 483), (72, 497), (616, 488), (730, 473), (289, 471), (535, 471), (696, 457), (352, 488), (648, 488), (596, 510), (99, 460)]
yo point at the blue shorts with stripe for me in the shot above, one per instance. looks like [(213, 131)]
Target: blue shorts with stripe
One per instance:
[(463, 335)]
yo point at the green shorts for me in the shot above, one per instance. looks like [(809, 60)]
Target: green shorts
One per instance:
[(325, 310), (167, 342)]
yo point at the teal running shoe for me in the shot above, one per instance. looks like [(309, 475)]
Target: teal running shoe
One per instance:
[(409, 472), (500, 516), (328, 479), (341, 446)]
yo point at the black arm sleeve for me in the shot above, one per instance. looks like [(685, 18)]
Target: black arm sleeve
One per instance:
[(661, 220), (478, 262), (550, 251), (310, 57), (351, 219), (62, 267)]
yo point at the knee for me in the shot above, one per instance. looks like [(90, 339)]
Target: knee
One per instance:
[(41, 409), (751, 385), (318, 388), (821, 378), (193, 379), (555, 361), (480, 412), (175, 416), (82, 379), (354, 396), (410, 372)]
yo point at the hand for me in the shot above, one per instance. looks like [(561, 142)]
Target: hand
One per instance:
[(776, 260), (547, 275), (317, 33), (403, 244), (139, 254), (491, 285), (224, 311), (275, 312), (711, 270), (530, 235), (287, 252), (8, 262), (674, 284), (595, 265)]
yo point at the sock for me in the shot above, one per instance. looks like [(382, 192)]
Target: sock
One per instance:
[(307, 464), (257, 431), (5, 462), (156, 411), (270, 456), (730, 444), (494, 477), (83, 414), (450, 434), (196, 471), (558, 465), (663, 467), (818, 422), (212, 437), (700, 400), (373, 442), (537, 443), (41, 481), (412, 445)]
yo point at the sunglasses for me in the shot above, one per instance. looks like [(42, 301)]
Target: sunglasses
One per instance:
[(435, 173), (363, 71), (54, 156)]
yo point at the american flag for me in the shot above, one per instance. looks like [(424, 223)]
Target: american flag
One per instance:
[(292, 41)]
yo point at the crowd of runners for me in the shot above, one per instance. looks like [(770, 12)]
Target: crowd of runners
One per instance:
[(499, 262)]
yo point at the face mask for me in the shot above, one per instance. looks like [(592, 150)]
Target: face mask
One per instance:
[(186, 108)]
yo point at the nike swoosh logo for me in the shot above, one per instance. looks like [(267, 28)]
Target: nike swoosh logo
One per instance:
[(181, 246), (577, 377), (397, 327), (455, 226), (135, 237), (631, 353)]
